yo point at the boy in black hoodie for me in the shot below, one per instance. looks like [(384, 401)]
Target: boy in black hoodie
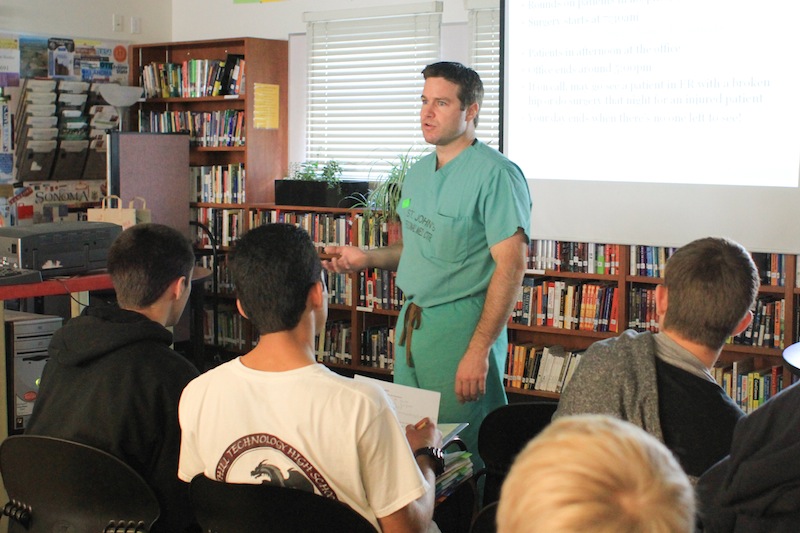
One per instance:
[(112, 380)]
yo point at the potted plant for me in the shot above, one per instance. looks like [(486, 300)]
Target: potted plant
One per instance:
[(310, 184), (383, 200)]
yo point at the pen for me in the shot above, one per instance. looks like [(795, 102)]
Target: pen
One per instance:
[(421, 424)]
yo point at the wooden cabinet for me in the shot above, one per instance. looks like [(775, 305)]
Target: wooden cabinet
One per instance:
[(264, 152)]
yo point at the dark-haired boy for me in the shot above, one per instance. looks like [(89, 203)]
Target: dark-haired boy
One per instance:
[(275, 416), (112, 380)]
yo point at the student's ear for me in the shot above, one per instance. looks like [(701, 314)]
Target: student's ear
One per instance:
[(177, 287), (662, 301), (316, 295), (240, 308), (743, 323)]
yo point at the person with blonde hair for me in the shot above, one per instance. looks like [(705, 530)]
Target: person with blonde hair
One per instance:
[(595, 473)]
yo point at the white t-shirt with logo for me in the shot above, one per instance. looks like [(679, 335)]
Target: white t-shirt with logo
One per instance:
[(307, 428)]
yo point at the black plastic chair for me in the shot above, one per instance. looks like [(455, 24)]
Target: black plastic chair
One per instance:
[(59, 485), (503, 434), (249, 508), (486, 520)]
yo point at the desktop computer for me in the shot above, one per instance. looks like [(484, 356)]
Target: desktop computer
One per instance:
[(27, 340)]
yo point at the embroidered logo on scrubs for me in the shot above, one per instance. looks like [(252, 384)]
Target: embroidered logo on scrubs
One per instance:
[(419, 224), (268, 459)]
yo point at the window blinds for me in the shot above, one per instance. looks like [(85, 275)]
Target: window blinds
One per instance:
[(484, 53), (364, 87)]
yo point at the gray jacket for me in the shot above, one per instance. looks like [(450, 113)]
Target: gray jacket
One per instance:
[(616, 377)]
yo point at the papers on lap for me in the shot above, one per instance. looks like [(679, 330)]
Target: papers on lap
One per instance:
[(412, 405)]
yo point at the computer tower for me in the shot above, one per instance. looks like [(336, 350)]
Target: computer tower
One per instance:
[(27, 339)]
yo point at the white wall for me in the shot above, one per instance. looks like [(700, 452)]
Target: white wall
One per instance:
[(212, 19), (89, 18)]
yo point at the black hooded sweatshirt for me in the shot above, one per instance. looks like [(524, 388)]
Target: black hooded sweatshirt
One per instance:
[(113, 382), (756, 489)]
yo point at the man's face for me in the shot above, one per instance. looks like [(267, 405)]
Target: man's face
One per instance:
[(441, 118)]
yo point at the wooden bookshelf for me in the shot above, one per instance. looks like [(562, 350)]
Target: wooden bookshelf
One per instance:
[(265, 152), (625, 280), (361, 317)]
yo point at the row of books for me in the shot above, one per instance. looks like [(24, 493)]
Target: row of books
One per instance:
[(370, 233), (771, 268), (208, 129), (231, 327), (649, 261), (767, 327), (194, 78), (568, 256), (642, 308), (544, 368), (377, 289), (377, 347), (217, 183), (224, 279), (325, 229), (226, 225), (748, 386), (543, 254), (566, 304), (340, 288), (333, 345)]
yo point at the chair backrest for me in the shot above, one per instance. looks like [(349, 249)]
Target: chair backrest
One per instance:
[(58, 485), (486, 520), (245, 508), (503, 434)]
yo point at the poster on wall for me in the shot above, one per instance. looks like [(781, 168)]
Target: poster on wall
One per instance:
[(6, 147), (9, 60), (78, 59)]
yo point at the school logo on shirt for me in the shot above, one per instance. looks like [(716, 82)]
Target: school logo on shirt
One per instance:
[(267, 459)]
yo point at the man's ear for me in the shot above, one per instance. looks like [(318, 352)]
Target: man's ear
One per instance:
[(472, 111)]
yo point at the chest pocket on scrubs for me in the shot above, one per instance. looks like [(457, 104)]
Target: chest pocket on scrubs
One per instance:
[(450, 238)]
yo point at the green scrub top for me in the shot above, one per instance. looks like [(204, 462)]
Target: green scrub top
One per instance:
[(450, 219)]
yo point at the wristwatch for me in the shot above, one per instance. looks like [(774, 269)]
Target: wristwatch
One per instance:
[(435, 454)]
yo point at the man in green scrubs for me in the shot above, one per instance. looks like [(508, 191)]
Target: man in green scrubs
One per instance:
[(465, 212)]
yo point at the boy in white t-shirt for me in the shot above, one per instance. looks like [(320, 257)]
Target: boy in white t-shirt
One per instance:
[(276, 416)]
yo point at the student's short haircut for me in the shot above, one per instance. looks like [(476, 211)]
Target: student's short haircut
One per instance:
[(273, 268), (470, 86), (596, 474), (711, 284), (144, 259)]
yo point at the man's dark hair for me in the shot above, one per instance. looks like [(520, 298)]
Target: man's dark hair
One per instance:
[(144, 259), (273, 268), (470, 86), (711, 284)]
